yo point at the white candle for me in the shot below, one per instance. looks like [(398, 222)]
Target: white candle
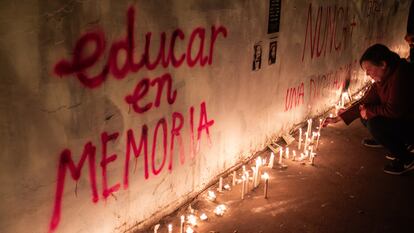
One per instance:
[(309, 126), (300, 138), (271, 160), (247, 177), (203, 217), (312, 158), (234, 178), (170, 228), (243, 187), (313, 137), (220, 188), (280, 155), (266, 181), (182, 224), (156, 228), (306, 140), (211, 195), (287, 152), (189, 230), (317, 140), (219, 210), (258, 165), (192, 219)]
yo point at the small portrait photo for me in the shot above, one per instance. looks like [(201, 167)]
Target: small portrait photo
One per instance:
[(272, 52), (257, 57)]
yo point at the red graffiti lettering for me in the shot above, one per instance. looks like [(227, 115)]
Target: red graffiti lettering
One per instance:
[(330, 38), (66, 162), (142, 88), (295, 96), (105, 138), (143, 145), (81, 63)]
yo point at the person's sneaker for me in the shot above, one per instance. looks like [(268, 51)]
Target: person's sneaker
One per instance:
[(369, 142), (396, 167), (409, 165), (390, 157), (410, 148)]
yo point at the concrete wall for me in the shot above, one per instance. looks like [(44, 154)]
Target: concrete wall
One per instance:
[(76, 102)]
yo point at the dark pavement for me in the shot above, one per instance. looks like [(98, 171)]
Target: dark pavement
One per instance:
[(346, 191)]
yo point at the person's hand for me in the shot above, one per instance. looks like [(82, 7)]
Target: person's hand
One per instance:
[(341, 110), (409, 38), (330, 120), (363, 112)]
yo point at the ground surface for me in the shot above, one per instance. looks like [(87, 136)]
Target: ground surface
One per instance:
[(345, 191)]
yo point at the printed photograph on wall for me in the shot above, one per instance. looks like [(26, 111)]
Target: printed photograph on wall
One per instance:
[(257, 56), (272, 52)]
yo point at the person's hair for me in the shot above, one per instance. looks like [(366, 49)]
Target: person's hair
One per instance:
[(378, 53)]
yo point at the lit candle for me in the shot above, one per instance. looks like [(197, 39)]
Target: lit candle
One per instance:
[(203, 217), (182, 224), (234, 178), (271, 160), (189, 230), (243, 186), (306, 140), (313, 137), (287, 152), (219, 210), (192, 219), (211, 195), (317, 140), (169, 228), (247, 177), (266, 181), (280, 155), (300, 138), (258, 165), (309, 126), (312, 158), (220, 188), (156, 228)]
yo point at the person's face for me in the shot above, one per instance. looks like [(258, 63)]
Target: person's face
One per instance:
[(377, 73), (273, 51), (258, 53)]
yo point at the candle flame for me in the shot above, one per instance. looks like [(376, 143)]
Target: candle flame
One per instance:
[(219, 210), (189, 230), (211, 195), (192, 219), (265, 176), (203, 217)]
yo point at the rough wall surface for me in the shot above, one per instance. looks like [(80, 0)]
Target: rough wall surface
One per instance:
[(116, 111)]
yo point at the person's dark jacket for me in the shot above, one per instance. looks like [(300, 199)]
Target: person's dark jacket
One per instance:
[(393, 97)]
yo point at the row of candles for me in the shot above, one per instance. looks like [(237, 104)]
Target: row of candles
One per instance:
[(255, 178)]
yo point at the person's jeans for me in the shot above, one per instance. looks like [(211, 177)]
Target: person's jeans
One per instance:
[(393, 134)]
